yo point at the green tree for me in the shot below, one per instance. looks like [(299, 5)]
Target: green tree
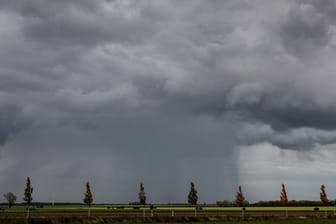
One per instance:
[(142, 195), (323, 195), (192, 196), (283, 196), (28, 192), (88, 198), (240, 198), (11, 198)]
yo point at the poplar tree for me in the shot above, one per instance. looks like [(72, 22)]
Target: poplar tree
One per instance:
[(283, 196), (192, 196), (142, 195), (240, 198), (28, 192), (88, 195), (323, 195)]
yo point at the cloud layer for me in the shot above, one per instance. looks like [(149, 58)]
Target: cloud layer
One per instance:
[(160, 92)]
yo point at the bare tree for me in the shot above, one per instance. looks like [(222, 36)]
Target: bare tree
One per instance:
[(240, 198), (142, 195), (323, 195), (283, 196)]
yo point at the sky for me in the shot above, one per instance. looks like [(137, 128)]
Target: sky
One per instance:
[(164, 92)]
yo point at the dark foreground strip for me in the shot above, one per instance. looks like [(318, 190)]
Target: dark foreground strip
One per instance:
[(154, 217)]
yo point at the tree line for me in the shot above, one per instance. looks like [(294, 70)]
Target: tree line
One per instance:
[(239, 200)]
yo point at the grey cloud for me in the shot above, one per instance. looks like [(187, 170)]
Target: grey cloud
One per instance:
[(159, 87), (94, 24), (306, 29), (128, 150), (302, 138), (327, 8), (8, 124), (63, 23)]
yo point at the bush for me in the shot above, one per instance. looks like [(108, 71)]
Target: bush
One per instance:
[(224, 203)]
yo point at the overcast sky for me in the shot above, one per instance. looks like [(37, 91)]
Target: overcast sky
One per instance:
[(220, 93)]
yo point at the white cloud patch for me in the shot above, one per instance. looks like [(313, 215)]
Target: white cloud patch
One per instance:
[(264, 167)]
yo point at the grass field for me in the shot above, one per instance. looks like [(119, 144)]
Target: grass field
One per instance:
[(62, 214), (69, 208)]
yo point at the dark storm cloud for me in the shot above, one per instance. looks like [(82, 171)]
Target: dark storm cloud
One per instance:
[(159, 91), (306, 29), (8, 124), (63, 23)]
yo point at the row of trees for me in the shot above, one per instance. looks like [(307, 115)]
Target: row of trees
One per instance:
[(192, 196), (11, 198)]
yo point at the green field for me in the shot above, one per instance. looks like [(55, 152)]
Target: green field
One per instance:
[(62, 214), (69, 208)]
